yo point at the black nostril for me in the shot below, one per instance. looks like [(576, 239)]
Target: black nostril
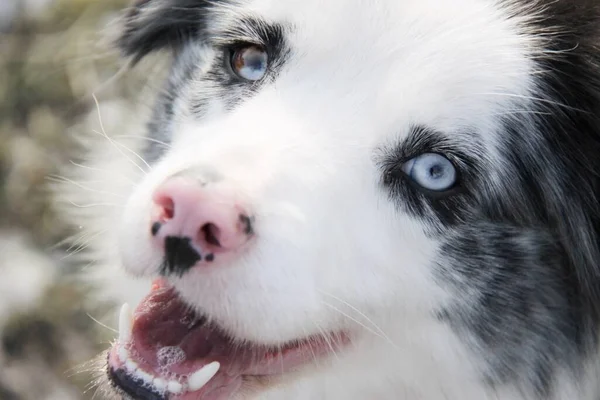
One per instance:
[(155, 228), (246, 222), (211, 233)]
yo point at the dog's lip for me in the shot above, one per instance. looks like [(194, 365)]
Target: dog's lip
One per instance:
[(147, 386), (198, 348)]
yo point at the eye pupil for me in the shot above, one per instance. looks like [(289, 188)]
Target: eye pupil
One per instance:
[(436, 171)]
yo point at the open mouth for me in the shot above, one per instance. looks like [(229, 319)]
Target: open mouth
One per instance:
[(167, 351)]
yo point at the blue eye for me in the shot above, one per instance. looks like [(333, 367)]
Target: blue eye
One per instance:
[(250, 62), (431, 171)]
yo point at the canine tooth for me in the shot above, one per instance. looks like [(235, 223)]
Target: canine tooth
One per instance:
[(125, 323), (201, 377), (123, 355), (160, 384), (175, 387), (130, 365)]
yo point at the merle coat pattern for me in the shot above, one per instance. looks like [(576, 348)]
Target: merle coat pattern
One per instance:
[(488, 289)]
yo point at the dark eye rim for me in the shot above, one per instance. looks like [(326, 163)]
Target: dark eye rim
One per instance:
[(231, 50), (396, 173)]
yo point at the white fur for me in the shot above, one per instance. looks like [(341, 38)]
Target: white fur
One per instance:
[(331, 248)]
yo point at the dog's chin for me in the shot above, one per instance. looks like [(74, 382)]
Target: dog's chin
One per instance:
[(167, 350)]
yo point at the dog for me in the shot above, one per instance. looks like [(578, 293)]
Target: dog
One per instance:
[(357, 200)]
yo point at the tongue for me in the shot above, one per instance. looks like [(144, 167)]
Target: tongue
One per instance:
[(170, 338)]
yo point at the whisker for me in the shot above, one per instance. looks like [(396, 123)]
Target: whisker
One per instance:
[(61, 242), (327, 338), (84, 244), (310, 346), (115, 143), (359, 323), (534, 99), (135, 154), (78, 250), (86, 366), (103, 170), (96, 205), (77, 241), (167, 145), (57, 178), (101, 324), (112, 142), (521, 112), (88, 265), (74, 238), (357, 311)]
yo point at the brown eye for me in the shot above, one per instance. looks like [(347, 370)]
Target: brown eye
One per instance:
[(250, 62)]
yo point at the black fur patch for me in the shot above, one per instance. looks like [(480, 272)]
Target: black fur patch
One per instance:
[(157, 24), (569, 144), (521, 235), (516, 301), (180, 256), (526, 265)]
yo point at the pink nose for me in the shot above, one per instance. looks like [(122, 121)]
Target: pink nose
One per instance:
[(195, 225)]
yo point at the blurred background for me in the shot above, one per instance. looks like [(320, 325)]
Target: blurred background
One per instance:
[(53, 56)]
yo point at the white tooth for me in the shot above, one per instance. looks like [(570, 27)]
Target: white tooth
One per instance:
[(123, 355), (125, 323), (143, 375), (201, 377), (175, 387), (131, 366), (160, 384)]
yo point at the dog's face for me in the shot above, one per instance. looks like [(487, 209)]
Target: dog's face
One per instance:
[(354, 155), (342, 179)]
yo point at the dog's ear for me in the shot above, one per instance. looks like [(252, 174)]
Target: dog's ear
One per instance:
[(151, 25)]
